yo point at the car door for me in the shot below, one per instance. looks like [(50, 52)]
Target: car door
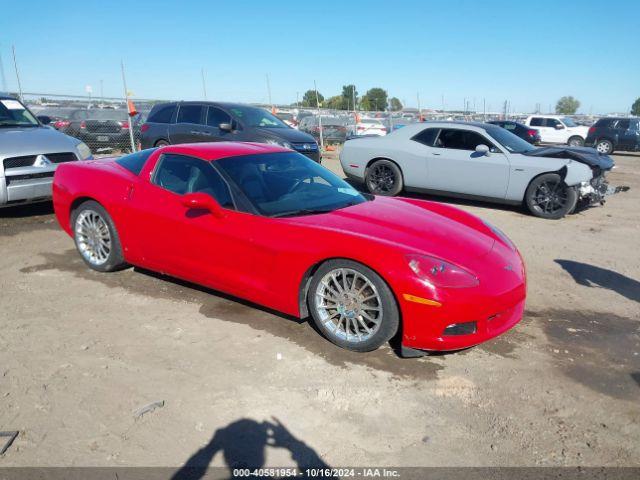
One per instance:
[(556, 131), (626, 136), (194, 244), (211, 131), (189, 124), (454, 165), (539, 123)]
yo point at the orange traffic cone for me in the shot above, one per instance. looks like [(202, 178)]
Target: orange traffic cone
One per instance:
[(132, 108)]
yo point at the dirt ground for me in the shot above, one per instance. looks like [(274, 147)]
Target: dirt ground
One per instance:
[(82, 352)]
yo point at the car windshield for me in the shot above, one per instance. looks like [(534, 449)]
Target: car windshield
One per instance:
[(508, 140), (257, 117), (15, 114), (288, 184), (568, 122)]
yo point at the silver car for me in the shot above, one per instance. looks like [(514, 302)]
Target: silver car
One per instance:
[(478, 160), (30, 153)]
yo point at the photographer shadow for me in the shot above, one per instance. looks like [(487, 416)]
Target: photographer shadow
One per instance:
[(243, 444)]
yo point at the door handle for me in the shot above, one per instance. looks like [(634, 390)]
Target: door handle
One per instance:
[(195, 132), (436, 154)]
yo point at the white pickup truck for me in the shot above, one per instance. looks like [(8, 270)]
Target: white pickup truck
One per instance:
[(558, 129)]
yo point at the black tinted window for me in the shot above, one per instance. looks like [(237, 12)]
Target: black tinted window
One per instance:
[(623, 124), (162, 114), (215, 117), (135, 161), (551, 122), (537, 122), (190, 114), (603, 123), (181, 174), (461, 140), (427, 136)]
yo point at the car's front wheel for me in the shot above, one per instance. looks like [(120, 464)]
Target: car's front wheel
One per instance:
[(384, 177), (549, 197), (576, 141), (96, 237), (604, 146), (352, 306)]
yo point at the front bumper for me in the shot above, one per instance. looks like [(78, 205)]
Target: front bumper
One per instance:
[(596, 191), (27, 187), (495, 306)]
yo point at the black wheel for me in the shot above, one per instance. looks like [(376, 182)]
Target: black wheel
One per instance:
[(161, 143), (576, 141), (352, 306), (384, 177), (604, 146), (549, 197), (96, 237)]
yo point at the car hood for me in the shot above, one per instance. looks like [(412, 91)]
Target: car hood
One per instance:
[(288, 134), (34, 140), (416, 228), (586, 155)]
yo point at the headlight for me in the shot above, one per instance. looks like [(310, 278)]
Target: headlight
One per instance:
[(500, 234), (84, 151), (281, 143), (439, 273)]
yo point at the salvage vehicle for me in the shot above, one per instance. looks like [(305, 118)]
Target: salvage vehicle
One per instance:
[(479, 161), (615, 133), (558, 129), (189, 122), (30, 152), (273, 227)]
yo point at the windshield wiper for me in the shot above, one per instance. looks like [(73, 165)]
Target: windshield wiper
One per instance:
[(302, 211)]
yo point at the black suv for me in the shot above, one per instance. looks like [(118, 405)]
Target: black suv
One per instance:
[(613, 133), (189, 122)]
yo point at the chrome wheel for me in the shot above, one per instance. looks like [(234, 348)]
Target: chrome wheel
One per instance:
[(550, 197), (603, 147), (93, 237), (348, 305)]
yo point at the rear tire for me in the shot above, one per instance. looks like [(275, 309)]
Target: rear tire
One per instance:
[(352, 306), (604, 146), (549, 197), (576, 141), (96, 237), (161, 143), (384, 177)]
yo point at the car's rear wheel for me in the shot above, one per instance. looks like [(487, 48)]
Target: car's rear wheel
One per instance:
[(604, 146), (384, 177), (549, 197), (162, 143), (96, 237), (576, 141), (352, 306)]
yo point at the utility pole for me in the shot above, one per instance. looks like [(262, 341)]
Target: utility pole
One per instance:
[(2, 75), (204, 84), (353, 94), (297, 99), (126, 101), (269, 91), (15, 65), (315, 87), (419, 108), (443, 103)]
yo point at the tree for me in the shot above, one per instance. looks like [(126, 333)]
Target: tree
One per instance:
[(309, 99), (567, 105), (635, 108), (334, 103), (349, 94), (395, 104), (374, 99)]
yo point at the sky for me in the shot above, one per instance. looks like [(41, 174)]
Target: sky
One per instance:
[(487, 51)]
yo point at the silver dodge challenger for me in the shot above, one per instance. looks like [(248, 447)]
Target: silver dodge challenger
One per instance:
[(479, 161), (29, 154)]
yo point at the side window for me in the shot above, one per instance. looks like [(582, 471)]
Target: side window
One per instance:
[(163, 114), (537, 122), (551, 122), (215, 117), (135, 161), (509, 126), (181, 174), (623, 124), (190, 114), (461, 140), (427, 136)]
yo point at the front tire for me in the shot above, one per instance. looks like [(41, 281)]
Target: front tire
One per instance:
[(576, 142), (384, 177), (604, 146), (352, 306), (549, 197), (96, 237)]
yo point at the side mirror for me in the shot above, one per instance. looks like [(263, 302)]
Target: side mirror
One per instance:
[(44, 119), (225, 127), (559, 126), (202, 201), (482, 149)]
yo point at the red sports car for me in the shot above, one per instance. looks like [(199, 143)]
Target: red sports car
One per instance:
[(269, 225)]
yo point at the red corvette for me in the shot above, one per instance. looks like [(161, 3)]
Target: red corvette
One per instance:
[(266, 224)]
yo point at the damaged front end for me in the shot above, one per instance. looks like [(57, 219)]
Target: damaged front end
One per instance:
[(595, 191)]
